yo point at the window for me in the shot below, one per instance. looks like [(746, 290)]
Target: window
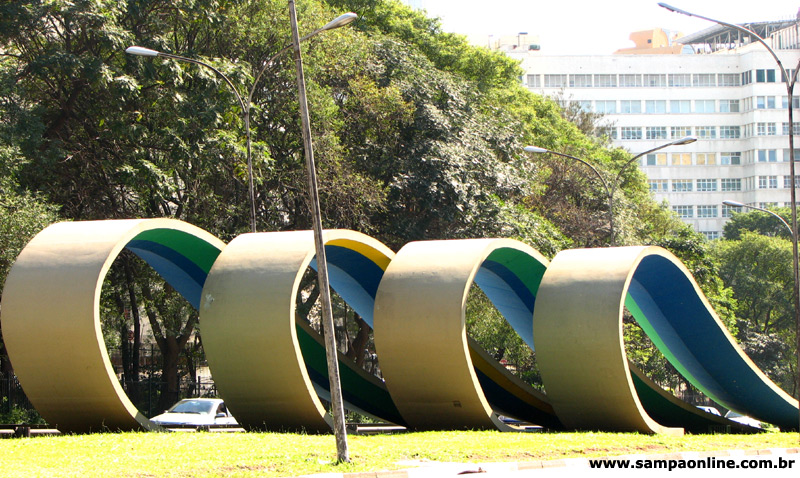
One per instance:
[(580, 81), (788, 157), (608, 131), (706, 159), (656, 132), (730, 132), (584, 105), (706, 211), (705, 79), (795, 102), (765, 76), (681, 159), (729, 79), (653, 159), (727, 211), (765, 102), (534, 81), (654, 81), (681, 185), (680, 106), (768, 182), (684, 211), (680, 79), (704, 106), (631, 132), (730, 158), (605, 81), (555, 81), (678, 132), (710, 235), (728, 106), (706, 132), (786, 129), (630, 81), (658, 185), (730, 184), (706, 185), (766, 129), (787, 183), (630, 106), (767, 155), (655, 106), (608, 107), (747, 77), (747, 104)]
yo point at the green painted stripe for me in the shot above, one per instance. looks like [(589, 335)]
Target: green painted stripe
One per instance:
[(198, 250), (529, 270), (641, 319)]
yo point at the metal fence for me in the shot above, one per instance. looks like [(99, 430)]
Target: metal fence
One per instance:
[(144, 391)]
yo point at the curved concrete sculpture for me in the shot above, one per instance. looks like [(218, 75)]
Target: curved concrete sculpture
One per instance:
[(272, 378), (578, 330), (420, 330), (51, 323)]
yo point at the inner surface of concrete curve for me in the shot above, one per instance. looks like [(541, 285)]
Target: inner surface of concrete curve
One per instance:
[(273, 380), (691, 336), (420, 329), (51, 313), (579, 314)]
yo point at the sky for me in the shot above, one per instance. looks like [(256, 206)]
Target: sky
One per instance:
[(607, 23)]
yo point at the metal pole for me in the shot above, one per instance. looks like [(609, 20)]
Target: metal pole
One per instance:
[(790, 82), (611, 187), (337, 405)]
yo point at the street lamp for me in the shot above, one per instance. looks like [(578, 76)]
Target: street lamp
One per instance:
[(728, 202), (611, 187), (789, 80), (337, 403), (245, 103)]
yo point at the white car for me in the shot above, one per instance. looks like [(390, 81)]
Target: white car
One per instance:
[(743, 419), (711, 410), (196, 412)]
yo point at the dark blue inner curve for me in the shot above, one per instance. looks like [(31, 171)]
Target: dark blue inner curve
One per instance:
[(510, 296), (177, 270), (354, 277), (688, 330)]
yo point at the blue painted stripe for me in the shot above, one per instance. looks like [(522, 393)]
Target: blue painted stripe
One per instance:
[(182, 274), (510, 296)]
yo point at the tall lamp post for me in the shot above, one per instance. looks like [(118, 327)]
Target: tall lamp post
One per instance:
[(789, 78), (611, 186), (246, 102), (337, 403)]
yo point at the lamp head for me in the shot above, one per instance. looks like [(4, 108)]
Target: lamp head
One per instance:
[(535, 149), (674, 9), (141, 51), (728, 202), (340, 21), (685, 140)]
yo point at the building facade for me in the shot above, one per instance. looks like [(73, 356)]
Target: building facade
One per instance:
[(730, 95)]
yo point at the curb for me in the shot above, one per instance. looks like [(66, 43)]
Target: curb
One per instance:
[(431, 468)]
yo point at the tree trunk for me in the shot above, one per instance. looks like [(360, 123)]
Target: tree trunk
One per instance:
[(170, 388)]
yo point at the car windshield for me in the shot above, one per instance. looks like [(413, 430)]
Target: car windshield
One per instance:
[(192, 406)]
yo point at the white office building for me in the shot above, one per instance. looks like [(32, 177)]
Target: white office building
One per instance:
[(715, 85)]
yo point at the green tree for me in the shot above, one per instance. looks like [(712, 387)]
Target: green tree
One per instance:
[(758, 269), (761, 222), (22, 216)]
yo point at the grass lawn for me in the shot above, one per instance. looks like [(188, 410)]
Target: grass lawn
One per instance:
[(273, 454)]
